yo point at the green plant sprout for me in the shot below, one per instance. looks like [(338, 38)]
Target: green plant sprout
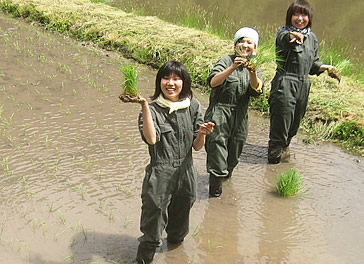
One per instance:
[(130, 82), (130, 92), (288, 183)]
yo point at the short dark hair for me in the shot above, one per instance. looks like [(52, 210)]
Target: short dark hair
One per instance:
[(181, 71), (300, 7)]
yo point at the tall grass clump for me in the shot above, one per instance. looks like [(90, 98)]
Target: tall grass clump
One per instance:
[(344, 57), (350, 133), (130, 80), (288, 183)]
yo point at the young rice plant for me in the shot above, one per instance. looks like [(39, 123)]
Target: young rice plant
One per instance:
[(288, 183), (130, 82)]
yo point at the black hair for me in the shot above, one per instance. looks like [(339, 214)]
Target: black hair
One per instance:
[(181, 71), (300, 7)]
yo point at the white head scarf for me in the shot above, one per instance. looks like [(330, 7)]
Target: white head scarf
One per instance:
[(247, 32)]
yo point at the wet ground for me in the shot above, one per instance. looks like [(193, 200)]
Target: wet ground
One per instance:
[(72, 164)]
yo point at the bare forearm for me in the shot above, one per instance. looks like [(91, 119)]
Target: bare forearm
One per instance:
[(220, 77), (149, 132), (199, 142), (254, 81)]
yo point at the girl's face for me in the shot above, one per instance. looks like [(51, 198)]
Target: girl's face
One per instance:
[(300, 20), (247, 45), (171, 87)]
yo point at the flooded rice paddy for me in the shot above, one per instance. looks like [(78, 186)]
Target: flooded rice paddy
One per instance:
[(72, 165)]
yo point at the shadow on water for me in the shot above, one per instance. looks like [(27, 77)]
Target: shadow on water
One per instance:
[(109, 248), (255, 154)]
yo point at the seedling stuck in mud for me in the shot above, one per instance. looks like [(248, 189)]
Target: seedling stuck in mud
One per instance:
[(288, 183)]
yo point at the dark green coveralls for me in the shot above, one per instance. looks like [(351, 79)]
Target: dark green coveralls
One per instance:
[(228, 109), (169, 186), (290, 89)]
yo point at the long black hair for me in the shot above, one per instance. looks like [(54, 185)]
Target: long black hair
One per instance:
[(181, 71), (300, 7)]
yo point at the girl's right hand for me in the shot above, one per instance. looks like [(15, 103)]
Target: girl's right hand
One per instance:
[(207, 128), (142, 101), (296, 37), (239, 61)]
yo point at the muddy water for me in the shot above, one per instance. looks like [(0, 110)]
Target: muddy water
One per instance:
[(72, 164)]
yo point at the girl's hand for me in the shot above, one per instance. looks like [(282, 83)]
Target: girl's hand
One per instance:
[(127, 98), (333, 73), (245, 63), (239, 61), (296, 37), (142, 101), (207, 128)]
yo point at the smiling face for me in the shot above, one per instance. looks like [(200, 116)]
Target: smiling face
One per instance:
[(300, 20), (171, 87), (246, 47)]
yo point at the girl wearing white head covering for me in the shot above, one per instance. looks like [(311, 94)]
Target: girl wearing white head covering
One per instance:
[(232, 83)]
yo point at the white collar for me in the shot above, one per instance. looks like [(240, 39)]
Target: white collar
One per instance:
[(173, 106)]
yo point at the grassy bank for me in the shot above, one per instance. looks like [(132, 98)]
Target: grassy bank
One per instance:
[(335, 111)]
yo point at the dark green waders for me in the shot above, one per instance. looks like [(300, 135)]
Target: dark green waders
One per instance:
[(169, 186), (168, 195), (288, 102), (224, 146)]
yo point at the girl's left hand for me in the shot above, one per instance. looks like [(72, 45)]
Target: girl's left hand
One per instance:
[(207, 128)]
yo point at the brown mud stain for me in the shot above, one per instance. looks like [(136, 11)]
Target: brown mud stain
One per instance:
[(72, 165)]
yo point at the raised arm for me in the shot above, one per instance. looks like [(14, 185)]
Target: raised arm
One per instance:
[(149, 131)]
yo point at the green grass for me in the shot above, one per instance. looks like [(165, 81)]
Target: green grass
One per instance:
[(288, 183), (350, 133), (130, 80)]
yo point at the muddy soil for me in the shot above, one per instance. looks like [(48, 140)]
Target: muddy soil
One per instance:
[(72, 165)]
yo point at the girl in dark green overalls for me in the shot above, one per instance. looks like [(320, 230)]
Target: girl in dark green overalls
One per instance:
[(171, 125), (297, 53), (232, 83)]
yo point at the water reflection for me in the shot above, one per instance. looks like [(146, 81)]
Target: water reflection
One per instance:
[(218, 237), (330, 21)]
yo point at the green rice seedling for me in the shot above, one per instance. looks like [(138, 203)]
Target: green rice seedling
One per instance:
[(70, 257), (84, 232), (5, 166), (50, 207), (212, 248), (196, 231), (47, 141), (37, 223), (2, 230), (111, 215), (118, 135), (11, 141), (5, 122), (288, 183), (30, 194), (81, 190), (102, 203), (62, 217), (127, 221), (130, 92)]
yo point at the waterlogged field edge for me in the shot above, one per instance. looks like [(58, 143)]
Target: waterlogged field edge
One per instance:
[(335, 110)]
